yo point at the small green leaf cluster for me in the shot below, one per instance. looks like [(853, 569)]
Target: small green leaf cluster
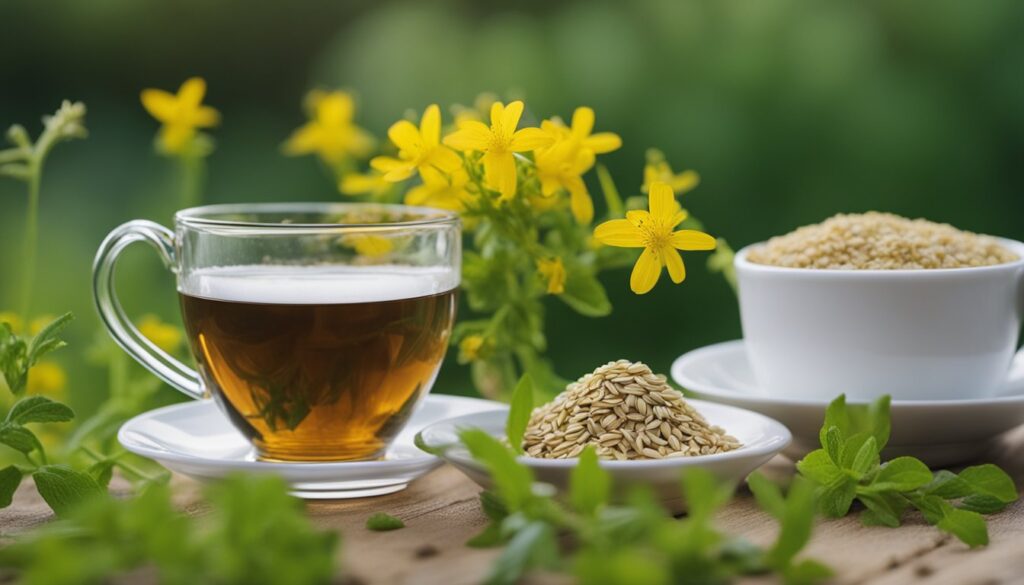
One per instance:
[(60, 486), (383, 522), (256, 534), (848, 467), (602, 543)]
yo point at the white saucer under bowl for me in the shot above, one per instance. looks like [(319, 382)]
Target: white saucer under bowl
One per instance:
[(940, 432), (196, 439), (762, 438)]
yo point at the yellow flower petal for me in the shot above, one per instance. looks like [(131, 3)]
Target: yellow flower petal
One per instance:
[(444, 158), (497, 110), (405, 136), (335, 109), (645, 272), (500, 172), (159, 103), (554, 271), (582, 122), (430, 126), (603, 142), (394, 169), (662, 201), (175, 137), (529, 139), (674, 263), (692, 240), (471, 135), (579, 201), (638, 217), (192, 91), (206, 116), (619, 232), (510, 116), (685, 181)]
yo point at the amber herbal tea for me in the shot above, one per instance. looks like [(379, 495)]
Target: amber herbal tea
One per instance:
[(318, 363)]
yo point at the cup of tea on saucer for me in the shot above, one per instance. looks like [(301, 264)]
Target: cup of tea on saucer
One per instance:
[(316, 327)]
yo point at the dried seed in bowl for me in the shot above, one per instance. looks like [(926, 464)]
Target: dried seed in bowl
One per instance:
[(626, 411)]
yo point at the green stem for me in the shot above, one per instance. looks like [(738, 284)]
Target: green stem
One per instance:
[(31, 239), (193, 171)]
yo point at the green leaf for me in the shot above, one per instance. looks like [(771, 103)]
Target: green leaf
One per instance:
[(64, 488), (990, 480), (982, 504), (834, 444), (534, 545), (767, 494), (10, 478), (835, 416), (796, 522), (966, 525), (13, 360), (880, 420), (490, 537), (512, 481), (947, 485), (902, 474), (584, 293), (819, 467), (589, 485), (381, 522), (806, 572), (18, 437), (835, 498), (46, 340), (39, 409), (867, 457), (519, 413), (705, 494), (881, 509), (102, 472)]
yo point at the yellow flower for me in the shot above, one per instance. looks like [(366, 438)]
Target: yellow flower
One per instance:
[(438, 190), (47, 378), (562, 167), (472, 348), (554, 271), (478, 111), (11, 319), (330, 132), (371, 183), (659, 171), (369, 246), (497, 143), (417, 148), (581, 133), (181, 114), (164, 335), (652, 230)]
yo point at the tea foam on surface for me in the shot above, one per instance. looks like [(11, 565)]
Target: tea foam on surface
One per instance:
[(312, 285)]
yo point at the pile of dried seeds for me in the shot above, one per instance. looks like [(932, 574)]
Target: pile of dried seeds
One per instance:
[(628, 412)]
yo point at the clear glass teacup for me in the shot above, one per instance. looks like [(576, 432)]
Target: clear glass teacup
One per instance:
[(317, 327)]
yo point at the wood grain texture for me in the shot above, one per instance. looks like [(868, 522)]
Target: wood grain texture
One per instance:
[(441, 511)]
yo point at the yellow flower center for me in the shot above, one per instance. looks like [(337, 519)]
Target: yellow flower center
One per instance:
[(656, 233), (499, 141)]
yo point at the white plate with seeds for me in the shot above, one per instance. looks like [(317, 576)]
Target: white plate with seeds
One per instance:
[(760, 437)]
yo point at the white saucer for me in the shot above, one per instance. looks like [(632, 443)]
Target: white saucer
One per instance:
[(761, 436), (940, 432), (196, 439)]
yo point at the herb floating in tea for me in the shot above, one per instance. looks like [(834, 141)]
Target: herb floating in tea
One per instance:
[(848, 467), (627, 412), (381, 522), (638, 542)]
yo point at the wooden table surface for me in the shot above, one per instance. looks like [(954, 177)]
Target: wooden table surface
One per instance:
[(441, 512)]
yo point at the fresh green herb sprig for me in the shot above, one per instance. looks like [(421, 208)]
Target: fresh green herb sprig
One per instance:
[(256, 534), (60, 486), (639, 542), (848, 467), (382, 522)]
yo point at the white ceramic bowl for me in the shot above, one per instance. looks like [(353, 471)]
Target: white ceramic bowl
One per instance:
[(942, 334), (940, 432), (761, 436)]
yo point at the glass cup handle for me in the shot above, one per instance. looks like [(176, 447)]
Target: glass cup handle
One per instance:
[(125, 333)]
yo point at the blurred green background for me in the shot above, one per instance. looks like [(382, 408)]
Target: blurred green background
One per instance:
[(791, 110)]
